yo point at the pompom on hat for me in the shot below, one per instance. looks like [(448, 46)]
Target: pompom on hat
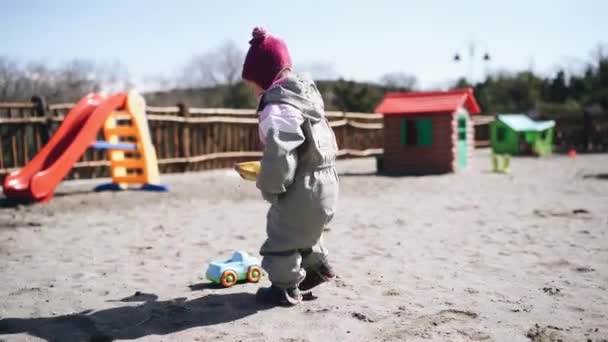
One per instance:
[(267, 57)]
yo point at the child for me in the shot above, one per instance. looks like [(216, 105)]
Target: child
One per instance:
[(297, 177)]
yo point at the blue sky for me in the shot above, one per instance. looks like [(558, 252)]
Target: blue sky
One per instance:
[(360, 39)]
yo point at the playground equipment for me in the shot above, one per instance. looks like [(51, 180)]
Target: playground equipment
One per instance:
[(517, 134), (499, 167), (127, 137), (427, 132)]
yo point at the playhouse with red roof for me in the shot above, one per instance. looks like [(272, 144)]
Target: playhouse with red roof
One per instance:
[(427, 132)]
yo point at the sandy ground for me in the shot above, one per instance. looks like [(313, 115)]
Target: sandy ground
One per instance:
[(471, 256)]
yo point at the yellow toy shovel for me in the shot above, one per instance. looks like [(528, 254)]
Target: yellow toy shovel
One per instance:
[(248, 170)]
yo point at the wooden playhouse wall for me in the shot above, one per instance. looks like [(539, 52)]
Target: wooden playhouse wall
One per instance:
[(437, 158)]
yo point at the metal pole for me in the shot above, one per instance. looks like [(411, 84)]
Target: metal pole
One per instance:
[(471, 61)]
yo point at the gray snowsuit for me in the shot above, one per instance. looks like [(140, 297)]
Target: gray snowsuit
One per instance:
[(299, 179)]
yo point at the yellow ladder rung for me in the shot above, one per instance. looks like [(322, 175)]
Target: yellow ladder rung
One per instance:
[(120, 115), (128, 163), (134, 179), (121, 130)]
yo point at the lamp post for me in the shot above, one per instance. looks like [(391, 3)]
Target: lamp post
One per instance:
[(472, 57)]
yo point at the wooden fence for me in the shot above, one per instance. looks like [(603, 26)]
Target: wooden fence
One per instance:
[(186, 139)]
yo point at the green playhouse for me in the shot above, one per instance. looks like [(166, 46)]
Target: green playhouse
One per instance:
[(518, 134)]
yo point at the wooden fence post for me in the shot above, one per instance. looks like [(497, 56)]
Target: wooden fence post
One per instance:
[(43, 111), (184, 111)]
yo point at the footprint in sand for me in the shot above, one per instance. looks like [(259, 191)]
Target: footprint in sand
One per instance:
[(584, 269), (545, 334), (473, 334), (363, 318), (391, 293), (552, 291), (429, 326)]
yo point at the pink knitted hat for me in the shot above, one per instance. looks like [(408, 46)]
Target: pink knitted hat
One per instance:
[(266, 58)]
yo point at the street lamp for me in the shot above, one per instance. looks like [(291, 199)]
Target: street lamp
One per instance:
[(472, 58)]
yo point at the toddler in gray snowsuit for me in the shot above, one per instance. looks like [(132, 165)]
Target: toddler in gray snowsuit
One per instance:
[(297, 176)]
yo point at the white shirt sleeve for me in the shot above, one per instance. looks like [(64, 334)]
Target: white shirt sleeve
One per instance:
[(279, 117)]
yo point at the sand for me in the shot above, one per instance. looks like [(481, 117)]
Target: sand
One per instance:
[(474, 256)]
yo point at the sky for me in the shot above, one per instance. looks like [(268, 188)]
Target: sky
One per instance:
[(358, 40)]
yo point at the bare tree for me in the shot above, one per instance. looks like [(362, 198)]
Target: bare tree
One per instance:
[(220, 67), (112, 77), (10, 75), (76, 78), (323, 71), (160, 82), (399, 81), (68, 82)]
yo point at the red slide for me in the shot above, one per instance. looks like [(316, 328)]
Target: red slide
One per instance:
[(39, 178)]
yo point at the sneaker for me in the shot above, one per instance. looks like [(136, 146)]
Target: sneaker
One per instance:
[(316, 276), (278, 296)]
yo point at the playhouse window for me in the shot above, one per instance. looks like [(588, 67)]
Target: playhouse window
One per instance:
[(500, 132), (543, 135), (462, 128), (416, 132)]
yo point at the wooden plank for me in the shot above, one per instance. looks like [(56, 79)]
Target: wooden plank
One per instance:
[(251, 112), (185, 131), (194, 147), (255, 154), (362, 125), (368, 116), (217, 140), (229, 147), (162, 110), (15, 157), (209, 143), (205, 142), (225, 119), (479, 120), (21, 120), (25, 140), (166, 152), (338, 123), (158, 142), (222, 111), (363, 153), (214, 144), (16, 105), (38, 138), (212, 156), (61, 106), (176, 141), (250, 121)]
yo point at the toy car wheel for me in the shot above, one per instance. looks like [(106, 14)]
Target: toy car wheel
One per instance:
[(254, 274), (228, 278)]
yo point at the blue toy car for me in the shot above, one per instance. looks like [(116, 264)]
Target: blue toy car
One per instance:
[(241, 266)]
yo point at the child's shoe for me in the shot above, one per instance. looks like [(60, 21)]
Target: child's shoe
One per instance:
[(278, 296), (316, 276)]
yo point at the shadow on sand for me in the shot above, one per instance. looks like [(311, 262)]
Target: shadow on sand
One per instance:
[(151, 317)]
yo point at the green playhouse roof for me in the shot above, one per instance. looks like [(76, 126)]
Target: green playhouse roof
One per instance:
[(522, 123)]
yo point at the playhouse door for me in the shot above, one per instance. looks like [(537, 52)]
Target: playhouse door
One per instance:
[(462, 142)]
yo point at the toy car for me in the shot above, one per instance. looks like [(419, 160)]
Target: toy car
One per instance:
[(241, 266)]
